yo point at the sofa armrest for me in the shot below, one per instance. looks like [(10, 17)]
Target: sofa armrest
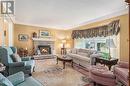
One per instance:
[(16, 78), (26, 58), (92, 58), (17, 64), (123, 64)]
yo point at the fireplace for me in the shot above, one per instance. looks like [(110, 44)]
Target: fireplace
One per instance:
[(44, 49)]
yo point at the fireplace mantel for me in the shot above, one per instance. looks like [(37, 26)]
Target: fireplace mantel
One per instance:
[(45, 42), (44, 39)]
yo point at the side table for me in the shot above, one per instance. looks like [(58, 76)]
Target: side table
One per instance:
[(2, 68), (106, 62)]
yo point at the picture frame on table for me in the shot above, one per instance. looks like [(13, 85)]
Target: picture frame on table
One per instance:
[(23, 37)]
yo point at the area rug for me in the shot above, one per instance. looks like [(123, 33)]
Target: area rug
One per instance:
[(53, 70), (50, 74)]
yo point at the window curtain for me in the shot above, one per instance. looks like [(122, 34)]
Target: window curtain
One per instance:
[(110, 29)]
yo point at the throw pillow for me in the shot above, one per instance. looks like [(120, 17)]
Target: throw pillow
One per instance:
[(4, 81), (16, 58)]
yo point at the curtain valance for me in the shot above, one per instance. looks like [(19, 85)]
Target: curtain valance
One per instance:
[(112, 28)]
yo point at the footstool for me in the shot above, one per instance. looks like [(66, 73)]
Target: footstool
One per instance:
[(101, 75)]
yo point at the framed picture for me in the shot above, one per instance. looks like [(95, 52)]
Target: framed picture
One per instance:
[(23, 37), (44, 33)]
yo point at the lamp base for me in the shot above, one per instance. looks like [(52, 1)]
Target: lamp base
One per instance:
[(109, 58)]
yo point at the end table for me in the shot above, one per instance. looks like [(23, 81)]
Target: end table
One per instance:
[(106, 62), (2, 68)]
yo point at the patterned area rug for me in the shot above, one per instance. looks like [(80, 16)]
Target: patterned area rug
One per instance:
[(50, 74), (53, 70)]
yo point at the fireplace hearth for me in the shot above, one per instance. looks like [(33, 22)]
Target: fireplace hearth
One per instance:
[(44, 49)]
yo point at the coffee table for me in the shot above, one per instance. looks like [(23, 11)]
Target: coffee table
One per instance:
[(64, 59)]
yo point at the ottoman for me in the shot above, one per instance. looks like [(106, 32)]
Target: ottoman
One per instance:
[(101, 75)]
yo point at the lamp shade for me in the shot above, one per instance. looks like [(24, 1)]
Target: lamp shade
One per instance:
[(110, 43)]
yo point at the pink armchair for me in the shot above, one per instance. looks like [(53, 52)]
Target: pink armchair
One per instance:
[(121, 72), (101, 75)]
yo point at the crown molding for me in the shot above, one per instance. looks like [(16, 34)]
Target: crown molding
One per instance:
[(114, 14)]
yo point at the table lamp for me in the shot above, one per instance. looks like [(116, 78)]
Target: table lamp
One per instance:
[(110, 44), (63, 41)]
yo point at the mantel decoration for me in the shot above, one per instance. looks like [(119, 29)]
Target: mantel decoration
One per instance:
[(23, 37), (34, 35), (112, 28), (44, 33)]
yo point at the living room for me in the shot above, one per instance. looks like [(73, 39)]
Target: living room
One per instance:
[(84, 43)]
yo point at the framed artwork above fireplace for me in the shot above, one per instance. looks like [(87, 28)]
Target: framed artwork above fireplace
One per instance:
[(44, 33)]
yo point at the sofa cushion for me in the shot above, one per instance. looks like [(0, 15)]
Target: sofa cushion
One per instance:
[(83, 54), (30, 82), (74, 50), (4, 81), (76, 56), (88, 51), (15, 57), (16, 78)]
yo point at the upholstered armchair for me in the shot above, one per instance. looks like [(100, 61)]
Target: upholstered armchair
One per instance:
[(26, 65), (121, 72), (18, 79)]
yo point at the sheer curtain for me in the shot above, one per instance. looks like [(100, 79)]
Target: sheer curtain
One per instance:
[(99, 44)]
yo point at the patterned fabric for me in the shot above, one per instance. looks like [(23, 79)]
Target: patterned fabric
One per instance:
[(121, 72), (112, 28)]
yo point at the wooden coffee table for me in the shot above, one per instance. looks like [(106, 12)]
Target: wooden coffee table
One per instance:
[(64, 59)]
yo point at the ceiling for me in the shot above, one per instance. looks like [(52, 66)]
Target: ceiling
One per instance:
[(65, 14)]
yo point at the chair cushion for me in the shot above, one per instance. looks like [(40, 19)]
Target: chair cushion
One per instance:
[(4, 81), (15, 57), (30, 81), (16, 78), (101, 71)]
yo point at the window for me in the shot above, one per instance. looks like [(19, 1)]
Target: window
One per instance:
[(98, 43)]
